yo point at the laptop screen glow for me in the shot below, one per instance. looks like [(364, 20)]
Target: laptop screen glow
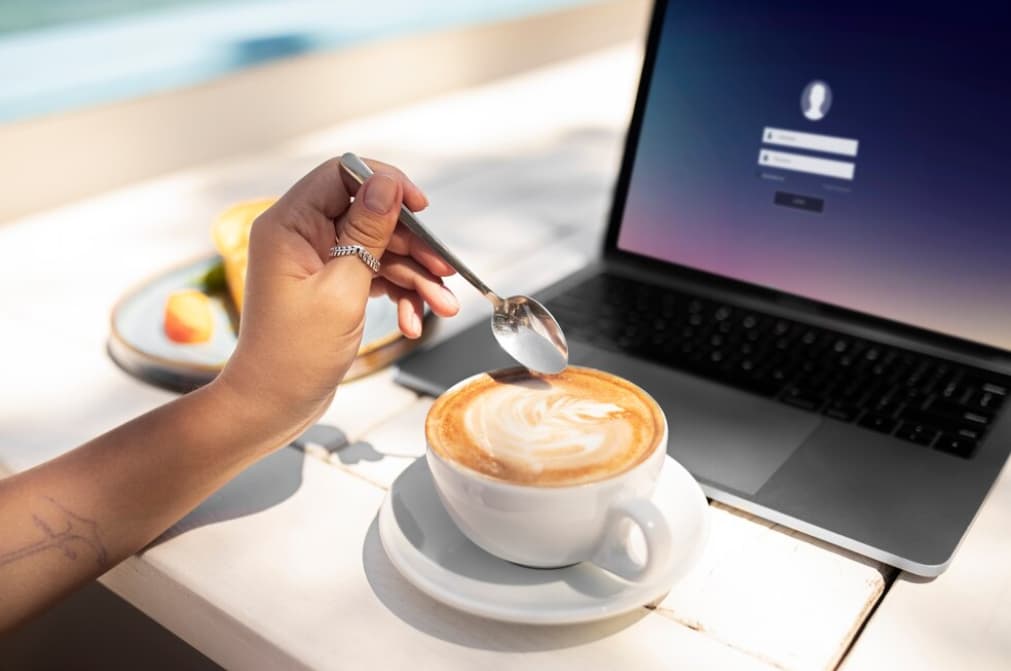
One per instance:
[(859, 156)]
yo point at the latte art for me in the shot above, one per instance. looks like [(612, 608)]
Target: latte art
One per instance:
[(546, 429), (577, 426)]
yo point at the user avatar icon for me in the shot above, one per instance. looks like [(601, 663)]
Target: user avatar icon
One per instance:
[(816, 100)]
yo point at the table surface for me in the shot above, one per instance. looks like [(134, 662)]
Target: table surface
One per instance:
[(282, 568)]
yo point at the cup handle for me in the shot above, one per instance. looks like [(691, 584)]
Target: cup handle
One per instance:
[(612, 554)]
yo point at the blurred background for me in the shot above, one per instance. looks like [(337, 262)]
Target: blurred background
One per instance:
[(59, 55), (178, 82), (127, 125)]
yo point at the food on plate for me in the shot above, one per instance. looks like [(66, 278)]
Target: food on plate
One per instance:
[(188, 317), (231, 238), (213, 280)]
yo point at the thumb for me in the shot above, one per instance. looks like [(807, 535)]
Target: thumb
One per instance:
[(369, 222)]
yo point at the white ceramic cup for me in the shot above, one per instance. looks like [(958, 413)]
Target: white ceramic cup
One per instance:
[(548, 527)]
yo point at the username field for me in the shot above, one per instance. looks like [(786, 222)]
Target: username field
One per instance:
[(796, 139)]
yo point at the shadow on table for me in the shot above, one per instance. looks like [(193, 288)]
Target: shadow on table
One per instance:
[(263, 485), (435, 619), (358, 452)]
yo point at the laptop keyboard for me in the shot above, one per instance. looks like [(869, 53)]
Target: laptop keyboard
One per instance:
[(920, 399)]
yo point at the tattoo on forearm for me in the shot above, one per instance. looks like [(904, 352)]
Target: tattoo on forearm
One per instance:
[(71, 534)]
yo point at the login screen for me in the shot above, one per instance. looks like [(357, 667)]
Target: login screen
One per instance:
[(859, 156)]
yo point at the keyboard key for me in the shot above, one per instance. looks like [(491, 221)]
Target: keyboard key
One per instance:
[(843, 412), (991, 388), (780, 374), (952, 390), (889, 408), (878, 423), (969, 434), (944, 423), (957, 445), (920, 434), (984, 402), (958, 412), (975, 418), (801, 398)]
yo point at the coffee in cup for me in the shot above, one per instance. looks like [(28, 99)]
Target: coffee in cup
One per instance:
[(572, 428), (550, 470)]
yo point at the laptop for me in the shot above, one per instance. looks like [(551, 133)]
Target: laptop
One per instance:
[(808, 264)]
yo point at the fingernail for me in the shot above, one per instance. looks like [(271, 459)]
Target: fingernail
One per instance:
[(380, 193), (416, 324), (450, 297)]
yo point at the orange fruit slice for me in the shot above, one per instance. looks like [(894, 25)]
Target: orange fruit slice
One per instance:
[(188, 317)]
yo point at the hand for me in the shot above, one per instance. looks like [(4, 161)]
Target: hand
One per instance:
[(304, 313)]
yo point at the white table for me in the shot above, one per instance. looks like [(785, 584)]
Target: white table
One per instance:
[(282, 568)]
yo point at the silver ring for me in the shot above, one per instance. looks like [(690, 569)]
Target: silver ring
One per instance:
[(356, 250)]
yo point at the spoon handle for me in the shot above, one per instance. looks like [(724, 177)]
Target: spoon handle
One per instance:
[(360, 172)]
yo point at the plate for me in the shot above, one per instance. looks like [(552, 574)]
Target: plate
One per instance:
[(138, 344), (429, 550)]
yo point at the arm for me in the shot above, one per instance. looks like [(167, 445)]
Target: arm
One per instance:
[(69, 520)]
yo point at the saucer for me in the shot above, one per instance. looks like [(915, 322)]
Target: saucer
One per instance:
[(430, 551)]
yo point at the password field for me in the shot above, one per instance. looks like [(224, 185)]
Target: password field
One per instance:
[(825, 167)]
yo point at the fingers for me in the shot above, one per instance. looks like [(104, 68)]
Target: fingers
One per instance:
[(321, 191), (408, 274), (409, 314), (406, 243), (372, 217), (327, 190), (410, 310), (414, 198), (369, 222)]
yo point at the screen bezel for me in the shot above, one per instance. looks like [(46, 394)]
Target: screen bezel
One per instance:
[(612, 253)]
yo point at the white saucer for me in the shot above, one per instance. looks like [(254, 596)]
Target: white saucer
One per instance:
[(431, 553)]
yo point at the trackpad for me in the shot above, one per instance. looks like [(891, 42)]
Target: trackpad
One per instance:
[(723, 436)]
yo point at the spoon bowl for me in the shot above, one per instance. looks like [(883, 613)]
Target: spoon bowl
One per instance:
[(530, 334)]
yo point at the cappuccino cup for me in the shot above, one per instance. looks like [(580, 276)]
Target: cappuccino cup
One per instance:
[(552, 470)]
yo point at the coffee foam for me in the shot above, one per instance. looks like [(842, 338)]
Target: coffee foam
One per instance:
[(577, 426)]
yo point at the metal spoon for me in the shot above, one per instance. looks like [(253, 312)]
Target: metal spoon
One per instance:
[(523, 327)]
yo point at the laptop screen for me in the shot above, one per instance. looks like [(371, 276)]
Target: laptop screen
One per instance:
[(855, 155)]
